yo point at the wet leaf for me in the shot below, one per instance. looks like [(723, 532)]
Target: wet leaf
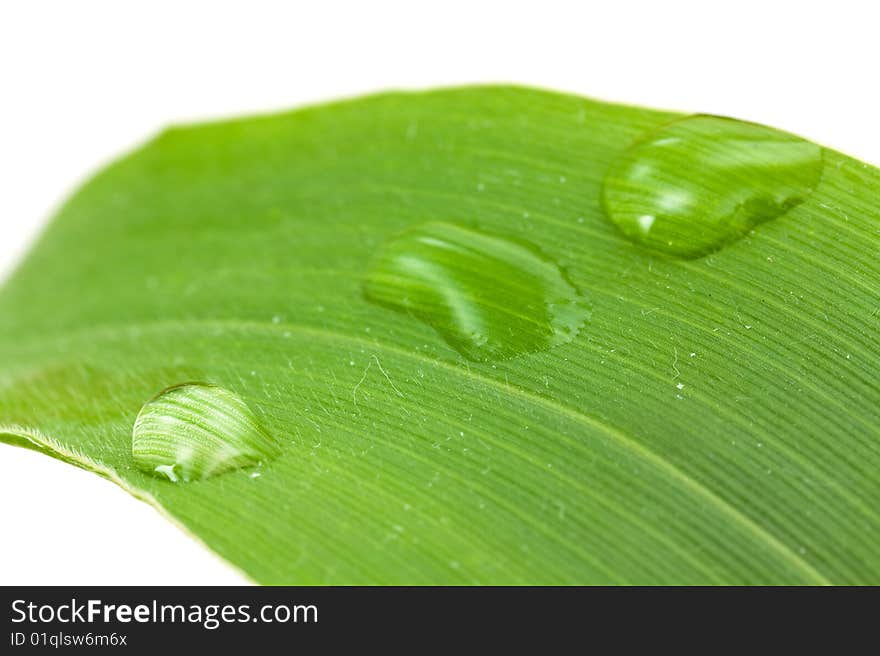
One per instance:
[(715, 418)]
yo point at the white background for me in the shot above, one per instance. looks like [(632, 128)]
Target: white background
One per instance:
[(81, 82)]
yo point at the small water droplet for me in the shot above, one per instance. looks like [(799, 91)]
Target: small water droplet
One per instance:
[(193, 431), (489, 297), (701, 182), (167, 471)]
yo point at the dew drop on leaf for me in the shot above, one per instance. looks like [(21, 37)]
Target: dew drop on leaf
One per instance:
[(194, 431), (702, 182), (490, 298)]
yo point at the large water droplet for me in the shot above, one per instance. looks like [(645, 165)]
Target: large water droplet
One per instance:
[(194, 431), (701, 182), (490, 298)]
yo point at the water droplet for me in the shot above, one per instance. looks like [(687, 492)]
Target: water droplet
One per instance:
[(701, 182), (489, 297), (194, 431)]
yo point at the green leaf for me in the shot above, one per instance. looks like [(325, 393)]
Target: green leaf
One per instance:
[(644, 418)]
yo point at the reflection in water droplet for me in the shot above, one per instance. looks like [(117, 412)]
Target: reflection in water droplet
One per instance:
[(489, 297), (194, 431), (701, 182)]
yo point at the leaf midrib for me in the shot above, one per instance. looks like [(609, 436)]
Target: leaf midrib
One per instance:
[(672, 472)]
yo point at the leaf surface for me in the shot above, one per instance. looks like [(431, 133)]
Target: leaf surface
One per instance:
[(715, 420)]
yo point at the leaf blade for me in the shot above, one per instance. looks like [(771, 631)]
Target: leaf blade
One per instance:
[(277, 217)]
